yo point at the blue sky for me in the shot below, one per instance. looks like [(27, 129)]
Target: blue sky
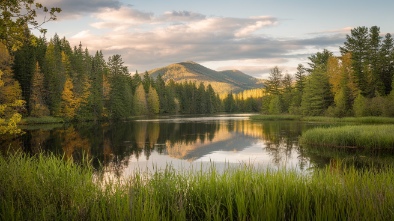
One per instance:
[(250, 35)]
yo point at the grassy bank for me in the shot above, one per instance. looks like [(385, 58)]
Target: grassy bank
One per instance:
[(47, 188), (361, 120), (41, 120), (274, 117), (356, 136)]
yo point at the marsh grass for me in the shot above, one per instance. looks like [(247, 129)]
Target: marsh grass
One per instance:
[(371, 137), (48, 188)]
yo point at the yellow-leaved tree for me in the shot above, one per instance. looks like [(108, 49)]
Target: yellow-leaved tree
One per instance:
[(68, 103), (11, 102)]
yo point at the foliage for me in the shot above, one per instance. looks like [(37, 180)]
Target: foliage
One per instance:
[(11, 102), (18, 15)]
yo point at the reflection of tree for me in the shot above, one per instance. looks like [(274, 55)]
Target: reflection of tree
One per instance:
[(281, 138), (38, 139), (74, 146)]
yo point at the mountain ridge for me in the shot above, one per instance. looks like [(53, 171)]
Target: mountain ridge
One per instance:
[(221, 81)]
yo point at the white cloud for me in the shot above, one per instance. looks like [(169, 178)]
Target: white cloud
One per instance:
[(147, 41)]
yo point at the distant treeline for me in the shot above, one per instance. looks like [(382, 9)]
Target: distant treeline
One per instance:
[(58, 80), (359, 82)]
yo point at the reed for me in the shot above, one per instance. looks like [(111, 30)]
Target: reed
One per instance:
[(48, 188)]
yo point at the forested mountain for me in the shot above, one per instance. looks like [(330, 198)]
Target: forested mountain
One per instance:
[(221, 81)]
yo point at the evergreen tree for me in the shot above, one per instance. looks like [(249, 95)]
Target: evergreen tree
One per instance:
[(358, 45), (274, 82), (147, 82), (287, 96), (229, 103), (317, 95), (387, 63), (162, 93), (37, 106)]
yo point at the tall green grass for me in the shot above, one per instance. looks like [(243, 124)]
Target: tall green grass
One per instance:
[(356, 136), (47, 188)]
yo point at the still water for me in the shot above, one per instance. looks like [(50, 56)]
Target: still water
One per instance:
[(183, 142)]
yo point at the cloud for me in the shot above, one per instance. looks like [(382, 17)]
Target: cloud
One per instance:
[(148, 41), (179, 16), (120, 19)]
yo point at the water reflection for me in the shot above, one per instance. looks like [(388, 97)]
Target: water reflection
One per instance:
[(122, 147)]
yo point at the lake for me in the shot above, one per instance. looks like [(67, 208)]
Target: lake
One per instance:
[(186, 142)]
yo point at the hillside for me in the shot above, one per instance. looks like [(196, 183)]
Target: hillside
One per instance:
[(221, 81)]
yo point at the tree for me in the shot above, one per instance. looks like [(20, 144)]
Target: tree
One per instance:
[(68, 103), (319, 61), (300, 78), (274, 82), (358, 45), (387, 64), (16, 16), (140, 105), (11, 102), (317, 96), (229, 103), (153, 101), (287, 96), (37, 106)]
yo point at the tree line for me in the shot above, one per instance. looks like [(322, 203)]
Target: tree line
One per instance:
[(66, 82), (358, 82)]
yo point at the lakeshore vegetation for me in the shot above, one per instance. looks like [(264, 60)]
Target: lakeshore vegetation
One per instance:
[(48, 188)]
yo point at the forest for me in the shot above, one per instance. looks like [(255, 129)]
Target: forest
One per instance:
[(358, 82), (41, 77)]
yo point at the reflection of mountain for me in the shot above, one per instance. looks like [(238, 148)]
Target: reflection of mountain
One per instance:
[(234, 143), (232, 135)]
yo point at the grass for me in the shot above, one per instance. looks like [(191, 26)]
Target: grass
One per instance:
[(362, 120), (354, 136), (48, 188)]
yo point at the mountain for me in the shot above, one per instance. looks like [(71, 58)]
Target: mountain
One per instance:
[(221, 81)]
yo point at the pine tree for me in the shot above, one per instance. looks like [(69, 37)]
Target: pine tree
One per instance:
[(317, 96), (274, 82), (37, 107)]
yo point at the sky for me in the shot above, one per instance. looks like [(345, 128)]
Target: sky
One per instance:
[(252, 36)]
